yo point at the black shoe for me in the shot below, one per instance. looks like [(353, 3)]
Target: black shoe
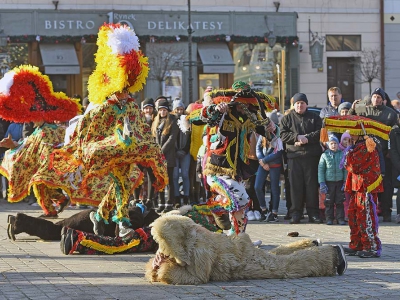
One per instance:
[(98, 226), (10, 227), (63, 205), (67, 241), (314, 220), (317, 242), (367, 254), (341, 222), (264, 215), (167, 208), (342, 262), (160, 208), (349, 251), (295, 221), (272, 218), (287, 216), (148, 203)]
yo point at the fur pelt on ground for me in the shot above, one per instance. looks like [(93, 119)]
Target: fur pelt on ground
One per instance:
[(190, 254)]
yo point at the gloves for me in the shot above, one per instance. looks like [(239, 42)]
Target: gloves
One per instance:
[(323, 188), (180, 153)]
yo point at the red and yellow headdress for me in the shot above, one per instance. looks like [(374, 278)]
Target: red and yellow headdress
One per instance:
[(119, 63), (356, 125), (26, 95)]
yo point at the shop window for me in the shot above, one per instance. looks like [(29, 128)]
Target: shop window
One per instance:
[(256, 65), (13, 55), (343, 43)]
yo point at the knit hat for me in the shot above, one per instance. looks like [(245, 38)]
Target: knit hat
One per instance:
[(273, 116), (333, 138), (300, 97), (379, 92), (177, 103), (119, 63), (344, 105), (26, 95), (163, 103), (147, 102), (345, 135)]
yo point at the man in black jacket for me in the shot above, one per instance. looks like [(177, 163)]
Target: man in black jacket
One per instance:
[(300, 130)]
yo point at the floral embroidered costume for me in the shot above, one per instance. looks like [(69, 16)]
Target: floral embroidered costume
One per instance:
[(364, 181), (113, 138), (26, 95), (231, 159)]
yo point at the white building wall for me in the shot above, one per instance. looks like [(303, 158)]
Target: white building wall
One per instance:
[(340, 17)]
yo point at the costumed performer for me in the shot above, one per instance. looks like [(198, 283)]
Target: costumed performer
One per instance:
[(48, 230), (363, 182), (140, 240), (26, 95), (238, 113), (113, 138)]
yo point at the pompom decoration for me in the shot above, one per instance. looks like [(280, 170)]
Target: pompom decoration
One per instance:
[(119, 63), (323, 136), (26, 95), (369, 143)]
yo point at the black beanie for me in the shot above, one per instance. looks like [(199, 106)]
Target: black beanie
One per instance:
[(300, 97), (148, 102)]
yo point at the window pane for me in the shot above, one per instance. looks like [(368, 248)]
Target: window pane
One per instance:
[(334, 42), (352, 43)]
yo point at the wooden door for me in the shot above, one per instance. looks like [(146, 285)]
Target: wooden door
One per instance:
[(341, 75)]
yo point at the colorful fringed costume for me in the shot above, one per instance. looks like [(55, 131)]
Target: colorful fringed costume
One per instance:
[(231, 159), (113, 138), (364, 179), (26, 95)]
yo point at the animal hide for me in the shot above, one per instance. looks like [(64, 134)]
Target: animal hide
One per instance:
[(190, 254)]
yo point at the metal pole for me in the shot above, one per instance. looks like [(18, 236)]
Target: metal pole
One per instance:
[(190, 31)]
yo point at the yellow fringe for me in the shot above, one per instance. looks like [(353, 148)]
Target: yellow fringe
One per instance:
[(109, 249), (228, 154), (323, 136), (216, 170), (358, 131), (375, 184), (333, 125)]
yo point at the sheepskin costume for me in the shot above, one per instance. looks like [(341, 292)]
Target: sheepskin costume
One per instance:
[(190, 254)]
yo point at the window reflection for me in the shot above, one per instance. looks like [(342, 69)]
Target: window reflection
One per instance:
[(256, 65), (343, 43)]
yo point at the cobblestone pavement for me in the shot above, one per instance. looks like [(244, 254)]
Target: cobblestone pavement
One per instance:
[(35, 269)]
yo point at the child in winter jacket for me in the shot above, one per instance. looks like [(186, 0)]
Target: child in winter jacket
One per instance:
[(331, 179)]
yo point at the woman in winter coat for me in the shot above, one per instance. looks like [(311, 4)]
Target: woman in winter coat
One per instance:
[(165, 130)]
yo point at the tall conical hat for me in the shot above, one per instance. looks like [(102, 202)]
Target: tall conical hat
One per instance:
[(26, 95), (119, 63)]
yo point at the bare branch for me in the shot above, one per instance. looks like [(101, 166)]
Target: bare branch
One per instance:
[(369, 65), (162, 60)]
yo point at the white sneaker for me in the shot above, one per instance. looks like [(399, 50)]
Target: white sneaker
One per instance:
[(257, 215), (251, 216)]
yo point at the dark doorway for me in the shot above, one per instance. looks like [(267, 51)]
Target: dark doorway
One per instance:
[(341, 75)]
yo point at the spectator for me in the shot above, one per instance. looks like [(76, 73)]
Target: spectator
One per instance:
[(300, 131), (331, 178), (394, 152), (182, 148), (396, 105), (165, 130), (343, 108), (335, 98)]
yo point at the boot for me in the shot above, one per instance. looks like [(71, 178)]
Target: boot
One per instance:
[(46, 230), (185, 200), (177, 202)]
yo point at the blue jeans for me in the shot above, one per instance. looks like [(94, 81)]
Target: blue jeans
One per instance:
[(274, 174), (183, 164)]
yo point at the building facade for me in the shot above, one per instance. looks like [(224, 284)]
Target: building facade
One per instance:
[(231, 40)]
